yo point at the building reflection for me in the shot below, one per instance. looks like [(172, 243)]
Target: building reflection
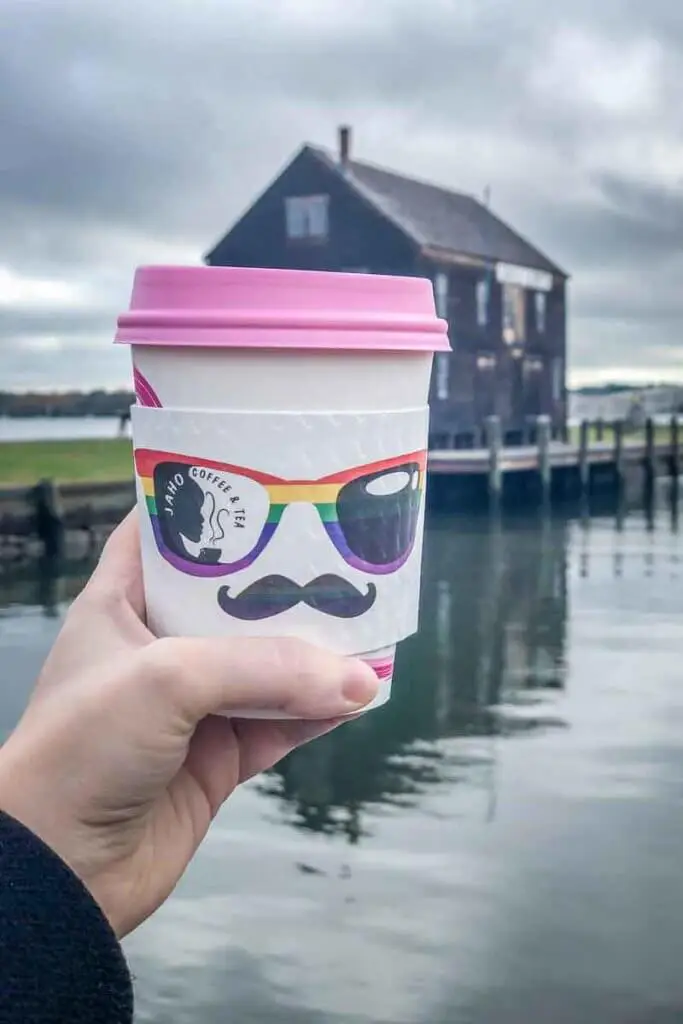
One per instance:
[(629, 543), (489, 660)]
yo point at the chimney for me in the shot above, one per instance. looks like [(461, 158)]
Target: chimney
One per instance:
[(344, 144)]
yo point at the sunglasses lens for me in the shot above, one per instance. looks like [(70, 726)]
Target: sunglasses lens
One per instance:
[(208, 515), (378, 513)]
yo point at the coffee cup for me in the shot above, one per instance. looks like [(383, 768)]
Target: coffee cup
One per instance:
[(280, 445)]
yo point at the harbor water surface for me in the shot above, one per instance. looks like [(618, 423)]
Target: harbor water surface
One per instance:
[(500, 844)]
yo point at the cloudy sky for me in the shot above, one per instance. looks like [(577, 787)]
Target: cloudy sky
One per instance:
[(136, 131)]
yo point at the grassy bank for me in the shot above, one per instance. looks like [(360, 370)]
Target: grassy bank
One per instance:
[(97, 459)]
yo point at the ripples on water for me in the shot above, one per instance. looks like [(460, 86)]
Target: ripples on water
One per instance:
[(500, 845)]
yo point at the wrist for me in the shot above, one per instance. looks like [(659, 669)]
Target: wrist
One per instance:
[(32, 806)]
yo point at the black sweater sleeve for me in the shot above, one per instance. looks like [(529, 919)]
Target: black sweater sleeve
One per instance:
[(60, 962)]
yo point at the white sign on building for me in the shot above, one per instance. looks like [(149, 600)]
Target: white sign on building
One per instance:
[(525, 277)]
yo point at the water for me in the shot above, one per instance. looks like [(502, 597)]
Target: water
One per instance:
[(500, 845), (58, 428)]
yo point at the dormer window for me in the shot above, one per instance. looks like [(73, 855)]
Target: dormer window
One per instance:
[(306, 216)]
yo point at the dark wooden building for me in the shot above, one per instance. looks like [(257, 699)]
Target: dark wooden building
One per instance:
[(504, 300)]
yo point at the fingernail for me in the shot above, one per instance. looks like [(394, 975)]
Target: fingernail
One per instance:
[(360, 684)]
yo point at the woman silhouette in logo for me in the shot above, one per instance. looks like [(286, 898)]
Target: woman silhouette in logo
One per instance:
[(186, 513)]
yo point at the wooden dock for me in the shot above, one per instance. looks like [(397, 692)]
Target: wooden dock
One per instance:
[(604, 458), (527, 459)]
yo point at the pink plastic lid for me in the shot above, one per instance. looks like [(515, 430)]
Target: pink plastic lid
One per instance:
[(247, 308)]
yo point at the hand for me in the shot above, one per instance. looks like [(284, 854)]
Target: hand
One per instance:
[(115, 764)]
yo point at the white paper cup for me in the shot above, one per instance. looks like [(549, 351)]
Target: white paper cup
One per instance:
[(280, 450)]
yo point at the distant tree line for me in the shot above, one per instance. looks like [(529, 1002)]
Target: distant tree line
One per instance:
[(66, 403), (117, 403)]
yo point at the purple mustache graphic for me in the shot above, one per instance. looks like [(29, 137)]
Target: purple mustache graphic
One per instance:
[(272, 595)]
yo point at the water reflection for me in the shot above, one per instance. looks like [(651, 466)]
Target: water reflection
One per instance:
[(500, 844), (46, 585), (655, 552), (489, 660)]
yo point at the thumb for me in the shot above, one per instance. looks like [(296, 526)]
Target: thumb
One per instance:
[(283, 677)]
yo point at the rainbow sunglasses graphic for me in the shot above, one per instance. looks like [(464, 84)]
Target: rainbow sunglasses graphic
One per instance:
[(212, 519)]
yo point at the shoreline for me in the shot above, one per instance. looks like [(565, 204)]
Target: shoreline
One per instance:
[(79, 517), (61, 496)]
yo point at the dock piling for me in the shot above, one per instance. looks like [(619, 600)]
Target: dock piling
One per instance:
[(675, 455), (544, 465), (619, 460), (650, 467), (494, 439), (48, 518), (584, 464)]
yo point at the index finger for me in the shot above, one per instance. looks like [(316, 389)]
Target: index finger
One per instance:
[(119, 570)]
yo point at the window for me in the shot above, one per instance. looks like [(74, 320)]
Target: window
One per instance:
[(533, 387), (514, 314), (306, 216), (482, 292), (441, 376), (540, 304), (441, 294), (486, 362), (557, 379)]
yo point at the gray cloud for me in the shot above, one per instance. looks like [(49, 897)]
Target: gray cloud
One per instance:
[(138, 132)]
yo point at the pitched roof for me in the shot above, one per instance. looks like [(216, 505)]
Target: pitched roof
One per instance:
[(435, 216)]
